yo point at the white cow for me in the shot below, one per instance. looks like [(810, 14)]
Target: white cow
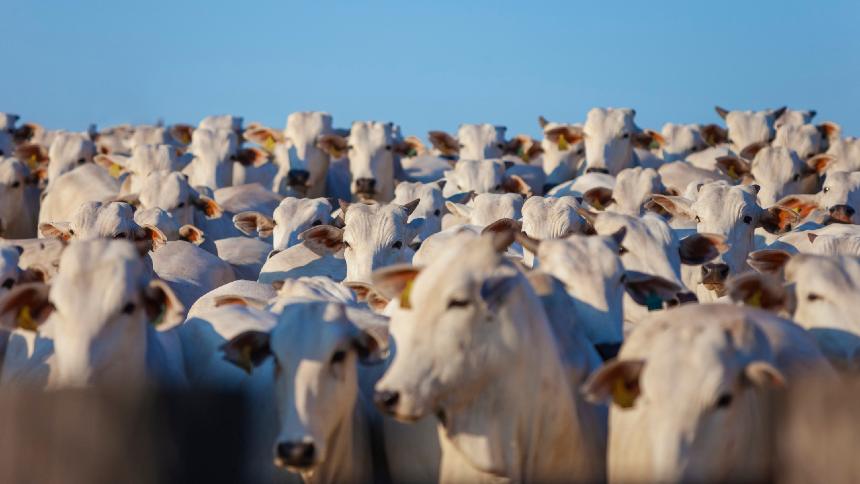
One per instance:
[(431, 205), (485, 209), (307, 362), (686, 392), (69, 151), (214, 153), (563, 152), (467, 319), (732, 212), (678, 141), (474, 142), (749, 127), (301, 164), (292, 217), (68, 192), (483, 176), (778, 171), (609, 136), (101, 313), (373, 236), (19, 200)]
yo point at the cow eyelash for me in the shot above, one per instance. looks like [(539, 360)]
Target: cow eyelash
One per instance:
[(181, 204), (458, 303), (338, 357), (397, 245), (812, 297), (128, 308), (724, 400)]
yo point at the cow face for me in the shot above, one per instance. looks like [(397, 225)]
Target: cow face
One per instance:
[(609, 139)]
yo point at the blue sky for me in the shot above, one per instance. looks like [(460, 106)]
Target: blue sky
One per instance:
[(427, 65)]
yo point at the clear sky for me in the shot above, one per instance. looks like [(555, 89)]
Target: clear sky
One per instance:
[(426, 65)]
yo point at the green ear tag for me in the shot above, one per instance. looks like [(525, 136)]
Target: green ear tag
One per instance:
[(755, 299), (412, 152), (653, 302), (732, 173)]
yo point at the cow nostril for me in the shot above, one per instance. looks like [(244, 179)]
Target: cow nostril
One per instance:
[(386, 400), (365, 185), (297, 177), (296, 454)]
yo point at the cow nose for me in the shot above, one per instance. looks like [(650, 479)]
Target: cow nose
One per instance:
[(295, 454), (365, 185), (714, 272), (386, 400), (548, 187), (841, 213), (597, 170), (298, 178)]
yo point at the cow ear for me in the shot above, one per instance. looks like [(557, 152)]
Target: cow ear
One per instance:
[(778, 220), (181, 133), (114, 164), (32, 154), (830, 130), (410, 147), (777, 113), (516, 184), (132, 199), (444, 142), (57, 230), (764, 375), (371, 344), (149, 238), (34, 273), (768, 261), (598, 197), (411, 206), (542, 122), (677, 206), (192, 234), (163, 308), (702, 247), (459, 209), (208, 206), (323, 239), (648, 139), (618, 380), (819, 163), (251, 157), (803, 205), (649, 290), (249, 222), (334, 145), (721, 111), (247, 350), (25, 306), (462, 197), (265, 137), (714, 134), (395, 281), (234, 300), (758, 290), (732, 166), (749, 151)]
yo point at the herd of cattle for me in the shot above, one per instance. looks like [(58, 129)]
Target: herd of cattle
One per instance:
[(605, 303)]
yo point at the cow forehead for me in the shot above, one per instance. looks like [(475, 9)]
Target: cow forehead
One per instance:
[(164, 188), (309, 330), (486, 133), (775, 159), (11, 170), (578, 254), (825, 274), (364, 220), (719, 198), (455, 270), (300, 207), (94, 219), (99, 273), (306, 126), (370, 135), (608, 121)]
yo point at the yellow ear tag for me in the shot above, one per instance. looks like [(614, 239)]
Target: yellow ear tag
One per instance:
[(25, 320), (621, 395), (754, 300), (185, 138), (404, 296), (654, 145), (115, 170), (796, 209), (33, 162), (732, 173), (563, 144), (269, 145)]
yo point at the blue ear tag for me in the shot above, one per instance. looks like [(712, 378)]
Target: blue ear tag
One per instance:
[(653, 302)]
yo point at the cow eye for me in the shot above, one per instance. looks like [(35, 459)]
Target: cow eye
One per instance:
[(461, 145), (397, 245), (747, 219), (625, 135), (8, 283), (316, 222), (812, 297), (349, 147), (180, 205), (498, 187), (437, 212), (826, 189), (338, 357), (120, 235), (796, 177), (71, 232), (16, 184), (724, 401), (580, 151), (622, 250), (81, 161), (458, 303), (346, 245), (388, 147), (500, 146), (128, 308)]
